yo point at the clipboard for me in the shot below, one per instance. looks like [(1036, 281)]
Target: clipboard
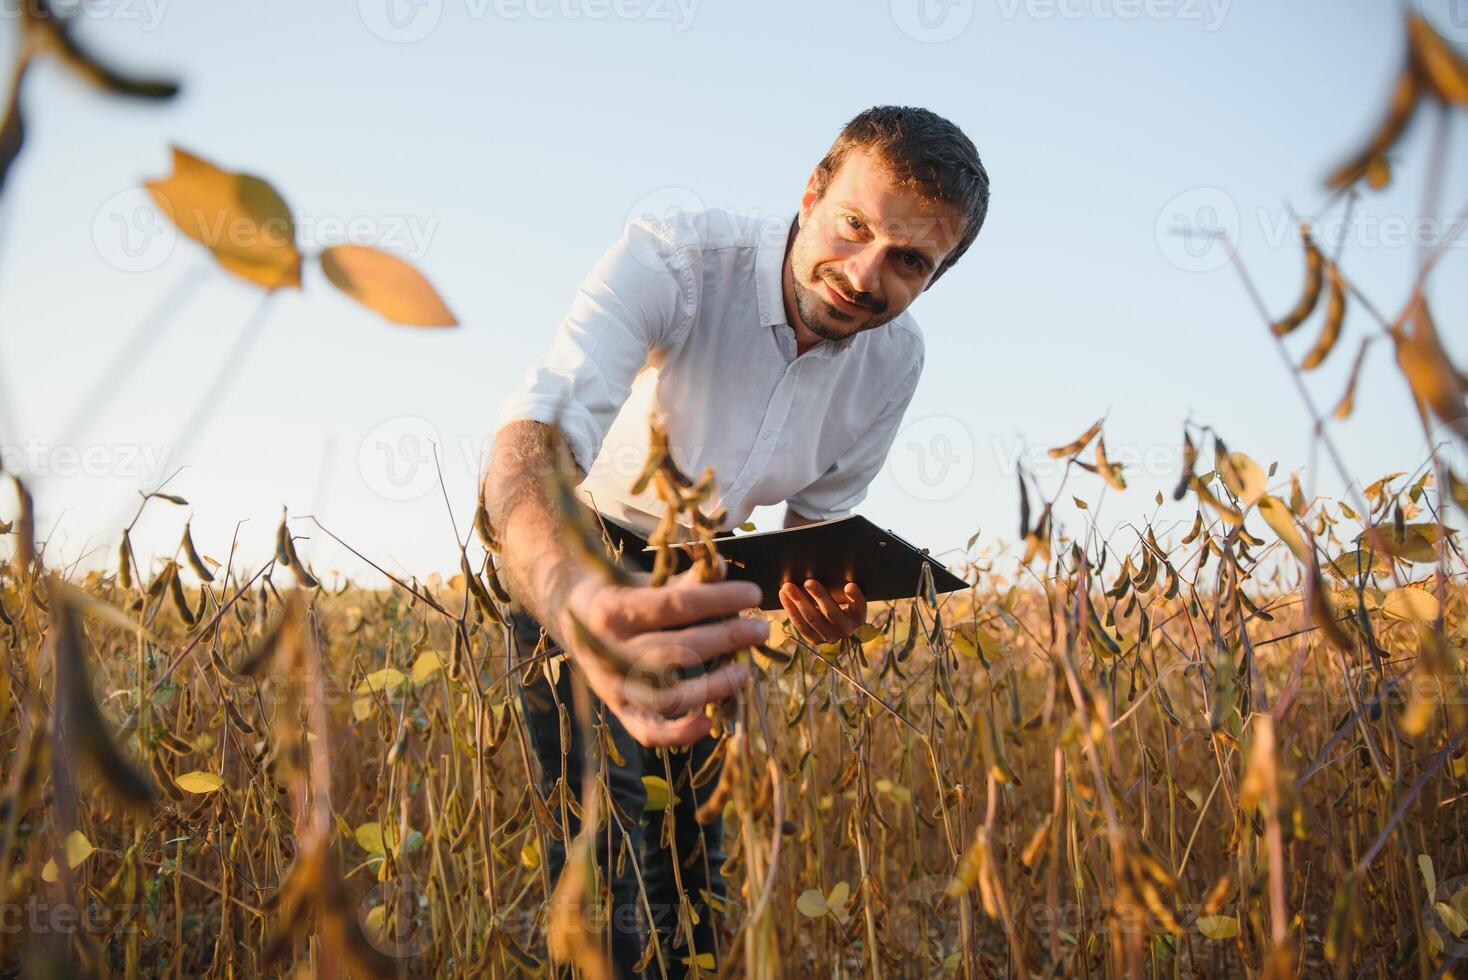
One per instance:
[(849, 548)]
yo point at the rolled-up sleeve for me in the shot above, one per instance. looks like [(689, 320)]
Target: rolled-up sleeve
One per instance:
[(844, 484), (637, 297)]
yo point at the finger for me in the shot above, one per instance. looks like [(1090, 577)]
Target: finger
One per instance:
[(654, 731), (644, 610), (802, 613), (827, 605), (696, 644), (687, 695)]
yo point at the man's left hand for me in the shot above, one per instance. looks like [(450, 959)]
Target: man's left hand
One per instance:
[(821, 616)]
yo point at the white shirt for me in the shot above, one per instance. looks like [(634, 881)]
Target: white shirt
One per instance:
[(685, 316)]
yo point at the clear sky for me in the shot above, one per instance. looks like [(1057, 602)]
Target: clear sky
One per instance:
[(500, 145)]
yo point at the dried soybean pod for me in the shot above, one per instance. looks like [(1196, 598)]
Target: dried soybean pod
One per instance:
[(1335, 315), (1348, 400), (1110, 472), (476, 589), (1078, 444), (176, 593), (1369, 162), (1314, 281), (483, 527), (125, 563), (1190, 459), (25, 528), (1024, 508), (192, 554), (285, 550), (1439, 65), (1197, 528), (85, 729)]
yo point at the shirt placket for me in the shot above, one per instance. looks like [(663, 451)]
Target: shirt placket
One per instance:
[(768, 436)]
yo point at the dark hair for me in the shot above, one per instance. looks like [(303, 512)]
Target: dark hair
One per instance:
[(922, 151)]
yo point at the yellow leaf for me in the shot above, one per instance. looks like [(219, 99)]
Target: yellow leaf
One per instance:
[(530, 854), (363, 708), (1429, 880), (1244, 478), (383, 681), (1277, 514), (1350, 564), (900, 793), (705, 961), (385, 284), (811, 904), (1413, 605), (1218, 926), (427, 664), (369, 838), (77, 848), (1453, 919), (658, 796), (199, 781), (241, 219), (840, 892)]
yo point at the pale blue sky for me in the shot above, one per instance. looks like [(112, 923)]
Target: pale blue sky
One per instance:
[(503, 149)]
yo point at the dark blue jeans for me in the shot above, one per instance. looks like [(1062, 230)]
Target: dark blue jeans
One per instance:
[(696, 853)]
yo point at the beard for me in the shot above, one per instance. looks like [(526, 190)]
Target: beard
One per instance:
[(822, 317)]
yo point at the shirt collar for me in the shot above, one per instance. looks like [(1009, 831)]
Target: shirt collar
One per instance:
[(769, 285)]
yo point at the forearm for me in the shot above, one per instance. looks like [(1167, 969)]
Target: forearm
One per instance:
[(792, 519), (538, 569)]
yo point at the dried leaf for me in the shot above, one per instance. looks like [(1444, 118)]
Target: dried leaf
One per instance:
[(385, 284), (240, 218)]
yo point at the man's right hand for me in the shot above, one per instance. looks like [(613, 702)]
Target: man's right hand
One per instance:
[(653, 631)]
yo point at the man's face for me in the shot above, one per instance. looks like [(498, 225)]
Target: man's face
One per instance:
[(865, 249)]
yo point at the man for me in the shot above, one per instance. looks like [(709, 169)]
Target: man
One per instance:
[(780, 353)]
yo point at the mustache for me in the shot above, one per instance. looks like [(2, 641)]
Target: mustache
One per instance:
[(840, 283)]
